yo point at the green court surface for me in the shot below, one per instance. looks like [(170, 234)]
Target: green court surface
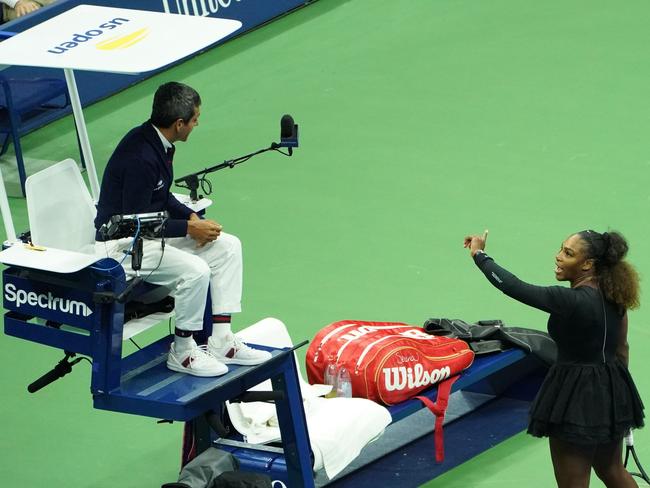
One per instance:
[(420, 122)]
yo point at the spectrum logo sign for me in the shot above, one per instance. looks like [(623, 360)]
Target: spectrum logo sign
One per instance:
[(108, 44), (19, 297)]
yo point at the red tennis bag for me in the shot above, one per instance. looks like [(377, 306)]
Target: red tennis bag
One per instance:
[(390, 362)]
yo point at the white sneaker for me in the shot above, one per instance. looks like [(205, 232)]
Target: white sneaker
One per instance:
[(195, 361), (233, 351)]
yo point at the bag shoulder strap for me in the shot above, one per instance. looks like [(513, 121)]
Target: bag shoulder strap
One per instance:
[(439, 408)]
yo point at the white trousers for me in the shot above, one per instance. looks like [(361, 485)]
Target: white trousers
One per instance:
[(189, 271)]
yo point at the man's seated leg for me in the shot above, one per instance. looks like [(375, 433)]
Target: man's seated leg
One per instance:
[(224, 258), (185, 355), (189, 276)]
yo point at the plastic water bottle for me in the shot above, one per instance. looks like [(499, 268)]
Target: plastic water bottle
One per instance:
[(343, 383), (329, 377)]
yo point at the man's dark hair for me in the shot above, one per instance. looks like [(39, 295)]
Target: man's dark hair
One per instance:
[(173, 101)]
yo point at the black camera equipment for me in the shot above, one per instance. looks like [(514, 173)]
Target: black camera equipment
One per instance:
[(288, 139), (145, 225), (138, 226)]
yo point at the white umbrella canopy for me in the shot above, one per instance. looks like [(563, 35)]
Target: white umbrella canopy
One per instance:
[(110, 40)]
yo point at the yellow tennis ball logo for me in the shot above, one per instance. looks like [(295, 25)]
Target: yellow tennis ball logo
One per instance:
[(122, 42)]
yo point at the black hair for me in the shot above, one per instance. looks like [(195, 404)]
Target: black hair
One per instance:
[(617, 278), (174, 101)]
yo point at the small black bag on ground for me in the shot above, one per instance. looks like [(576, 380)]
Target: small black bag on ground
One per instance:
[(204, 469), (239, 479)]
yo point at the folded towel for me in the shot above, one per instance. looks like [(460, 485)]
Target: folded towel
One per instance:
[(329, 420)]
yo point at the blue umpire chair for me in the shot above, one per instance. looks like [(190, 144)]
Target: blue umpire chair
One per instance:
[(59, 293)]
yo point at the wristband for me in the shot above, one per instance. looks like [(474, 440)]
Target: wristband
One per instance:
[(480, 256)]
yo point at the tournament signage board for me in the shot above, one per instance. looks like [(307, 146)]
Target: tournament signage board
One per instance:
[(61, 304), (115, 40)]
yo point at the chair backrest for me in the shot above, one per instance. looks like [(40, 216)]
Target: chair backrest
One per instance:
[(61, 210)]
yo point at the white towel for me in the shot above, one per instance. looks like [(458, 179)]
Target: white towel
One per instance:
[(356, 420)]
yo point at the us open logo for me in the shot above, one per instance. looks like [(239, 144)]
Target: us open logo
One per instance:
[(122, 41)]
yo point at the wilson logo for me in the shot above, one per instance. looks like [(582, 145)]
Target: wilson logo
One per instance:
[(402, 378), (115, 42), (46, 301)]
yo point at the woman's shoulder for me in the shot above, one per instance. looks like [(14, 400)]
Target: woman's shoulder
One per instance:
[(588, 297), (570, 298)]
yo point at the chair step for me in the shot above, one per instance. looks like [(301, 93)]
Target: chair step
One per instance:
[(148, 388)]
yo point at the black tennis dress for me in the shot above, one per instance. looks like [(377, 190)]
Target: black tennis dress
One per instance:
[(588, 396)]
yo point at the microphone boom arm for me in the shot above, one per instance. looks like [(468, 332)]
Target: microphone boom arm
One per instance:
[(191, 181)]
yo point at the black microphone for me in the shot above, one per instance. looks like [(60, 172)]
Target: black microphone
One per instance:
[(288, 133), (286, 126), (59, 371)]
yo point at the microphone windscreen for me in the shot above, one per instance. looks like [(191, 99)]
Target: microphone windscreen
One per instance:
[(286, 127)]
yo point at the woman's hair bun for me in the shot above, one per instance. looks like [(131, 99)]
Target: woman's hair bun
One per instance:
[(615, 247)]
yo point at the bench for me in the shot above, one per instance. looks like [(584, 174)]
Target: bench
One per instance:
[(489, 403)]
